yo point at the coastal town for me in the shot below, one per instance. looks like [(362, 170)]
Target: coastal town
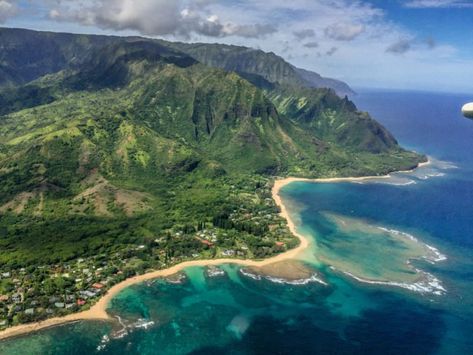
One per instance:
[(249, 231)]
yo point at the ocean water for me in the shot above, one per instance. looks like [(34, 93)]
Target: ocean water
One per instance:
[(393, 259)]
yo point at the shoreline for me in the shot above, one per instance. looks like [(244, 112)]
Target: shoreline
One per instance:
[(98, 311)]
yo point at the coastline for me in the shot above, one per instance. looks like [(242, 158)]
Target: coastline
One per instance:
[(98, 311)]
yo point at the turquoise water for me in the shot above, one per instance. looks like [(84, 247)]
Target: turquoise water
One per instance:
[(378, 232)]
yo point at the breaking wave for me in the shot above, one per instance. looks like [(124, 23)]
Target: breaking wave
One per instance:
[(434, 254), (312, 279), (428, 283)]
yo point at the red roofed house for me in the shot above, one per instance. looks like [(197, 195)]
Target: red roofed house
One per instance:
[(80, 302), (206, 242)]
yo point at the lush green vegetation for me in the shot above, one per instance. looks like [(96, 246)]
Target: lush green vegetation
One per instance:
[(138, 157)]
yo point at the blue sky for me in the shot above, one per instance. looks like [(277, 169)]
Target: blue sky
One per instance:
[(406, 44)]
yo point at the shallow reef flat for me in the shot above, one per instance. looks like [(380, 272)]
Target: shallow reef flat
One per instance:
[(376, 254)]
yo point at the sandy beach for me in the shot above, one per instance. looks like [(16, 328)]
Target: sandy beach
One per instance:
[(99, 310)]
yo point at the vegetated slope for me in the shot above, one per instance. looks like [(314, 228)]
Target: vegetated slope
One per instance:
[(140, 138), (271, 67), (27, 55), (207, 115), (134, 156)]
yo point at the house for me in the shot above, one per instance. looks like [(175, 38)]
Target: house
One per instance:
[(6, 274), (81, 302), (98, 286), (229, 252), (70, 305), (4, 298), (59, 305), (3, 322), (206, 242), (87, 294), (29, 311), (280, 244), (17, 298)]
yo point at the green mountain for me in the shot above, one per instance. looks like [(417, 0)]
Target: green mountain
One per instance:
[(132, 154), (27, 55), (248, 61)]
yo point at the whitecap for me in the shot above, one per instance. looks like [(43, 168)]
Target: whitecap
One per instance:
[(428, 284), (143, 324), (312, 279), (215, 272), (398, 233), (103, 343), (434, 254), (250, 275), (437, 255)]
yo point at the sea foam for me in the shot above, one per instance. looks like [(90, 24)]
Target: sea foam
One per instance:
[(434, 254), (278, 280), (428, 283)]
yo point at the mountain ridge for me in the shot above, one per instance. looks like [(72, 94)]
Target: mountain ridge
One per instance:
[(48, 46)]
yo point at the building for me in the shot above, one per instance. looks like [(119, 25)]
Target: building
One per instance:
[(87, 294), (4, 298), (206, 242), (80, 302), (98, 286)]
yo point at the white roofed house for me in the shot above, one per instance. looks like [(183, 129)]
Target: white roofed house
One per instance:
[(17, 298), (29, 311)]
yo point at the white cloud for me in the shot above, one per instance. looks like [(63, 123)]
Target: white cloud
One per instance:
[(156, 18), (423, 4), (344, 31), (7, 10)]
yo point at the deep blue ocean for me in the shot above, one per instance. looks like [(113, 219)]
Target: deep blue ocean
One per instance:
[(379, 247)]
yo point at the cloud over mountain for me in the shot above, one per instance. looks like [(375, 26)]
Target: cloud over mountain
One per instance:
[(7, 9), (156, 18)]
